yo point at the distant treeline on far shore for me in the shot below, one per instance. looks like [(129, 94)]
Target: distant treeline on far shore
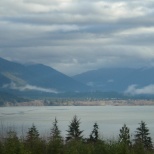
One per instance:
[(73, 98)]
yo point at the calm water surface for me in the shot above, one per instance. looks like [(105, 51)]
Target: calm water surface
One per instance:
[(109, 118)]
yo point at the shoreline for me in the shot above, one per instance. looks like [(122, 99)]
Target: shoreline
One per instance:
[(83, 103)]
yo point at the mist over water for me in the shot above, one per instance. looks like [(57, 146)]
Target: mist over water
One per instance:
[(109, 118)]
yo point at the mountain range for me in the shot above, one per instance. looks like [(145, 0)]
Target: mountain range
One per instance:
[(36, 79), (127, 80)]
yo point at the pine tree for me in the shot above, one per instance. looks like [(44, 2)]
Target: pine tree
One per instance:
[(55, 144), (124, 136), (12, 144), (142, 136), (74, 130), (33, 141), (55, 132), (94, 133), (32, 134)]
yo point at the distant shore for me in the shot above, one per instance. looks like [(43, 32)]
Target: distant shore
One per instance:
[(84, 103)]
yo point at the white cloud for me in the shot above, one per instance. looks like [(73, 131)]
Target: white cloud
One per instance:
[(28, 87), (134, 90)]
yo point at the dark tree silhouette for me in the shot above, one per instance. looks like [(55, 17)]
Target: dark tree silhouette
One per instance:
[(94, 133), (74, 131), (32, 134), (55, 132), (124, 136), (32, 141), (55, 144), (12, 143), (142, 136)]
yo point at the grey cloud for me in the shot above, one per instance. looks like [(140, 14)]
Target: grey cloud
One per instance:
[(75, 36), (83, 58)]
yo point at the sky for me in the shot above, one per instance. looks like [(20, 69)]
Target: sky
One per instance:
[(75, 36)]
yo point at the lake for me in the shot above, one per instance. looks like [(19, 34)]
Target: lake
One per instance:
[(109, 118)]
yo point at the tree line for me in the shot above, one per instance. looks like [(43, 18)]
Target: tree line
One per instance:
[(75, 143)]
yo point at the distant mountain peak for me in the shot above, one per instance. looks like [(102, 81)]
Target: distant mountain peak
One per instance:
[(119, 79), (36, 77)]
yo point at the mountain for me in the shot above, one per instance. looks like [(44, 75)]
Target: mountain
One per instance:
[(131, 80), (20, 78), (48, 77), (9, 99), (40, 80)]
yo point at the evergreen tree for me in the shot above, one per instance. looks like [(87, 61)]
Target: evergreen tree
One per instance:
[(33, 142), (124, 136), (32, 134), (142, 136), (12, 144), (55, 132), (94, 133), (55, 144), (74, 130), (1, 147)]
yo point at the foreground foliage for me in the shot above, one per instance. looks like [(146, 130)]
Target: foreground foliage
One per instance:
[(75, 143)]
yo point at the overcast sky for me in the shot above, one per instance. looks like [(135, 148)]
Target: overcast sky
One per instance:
[(74, 36)]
